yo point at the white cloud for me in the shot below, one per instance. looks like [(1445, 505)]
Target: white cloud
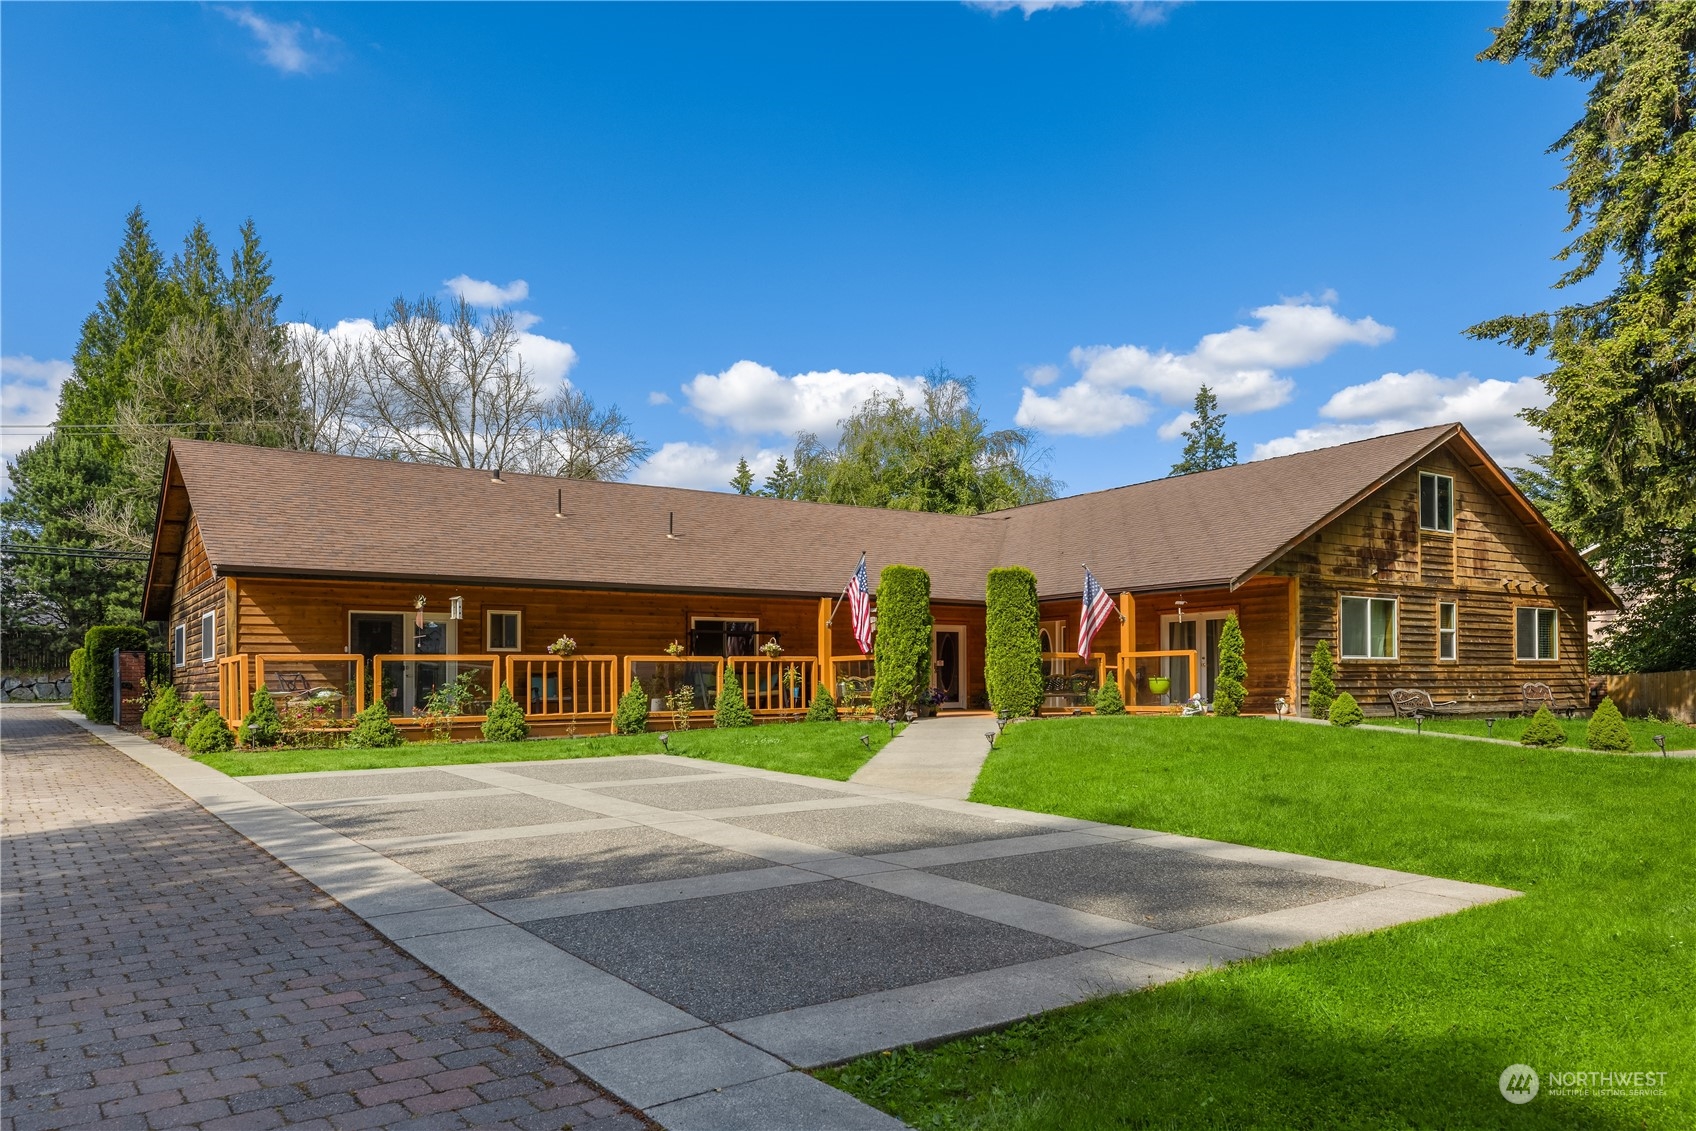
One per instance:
[(548, 359), (1040, 375), (482, 292), (658, 397), (1174, 427), (29, 400), (1397, 402), (1144, 12), (293, 48), (1241, 365), (1080, 410), (701, 466), (754, 399)]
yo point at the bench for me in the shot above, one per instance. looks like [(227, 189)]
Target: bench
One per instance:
[(1408, 701)]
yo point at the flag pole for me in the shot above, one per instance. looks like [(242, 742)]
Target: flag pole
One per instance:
[(832, 617)]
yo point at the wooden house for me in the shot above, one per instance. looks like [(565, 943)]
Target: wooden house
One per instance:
[(332, 579)]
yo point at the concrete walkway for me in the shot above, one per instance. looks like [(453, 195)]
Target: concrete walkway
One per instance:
[(939, 756)]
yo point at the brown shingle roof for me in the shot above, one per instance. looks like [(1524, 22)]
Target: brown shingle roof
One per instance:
[(268, 511)]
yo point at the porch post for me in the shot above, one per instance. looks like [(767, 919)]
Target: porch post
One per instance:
[(824, 673), (1127, 644)]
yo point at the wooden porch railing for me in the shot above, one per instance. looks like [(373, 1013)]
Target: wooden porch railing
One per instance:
[(454, 662), (1070, 682), (1137, 691), (564, 687), (275, 674), (233, 688), (851, 683), (664, 674), (776, 686)]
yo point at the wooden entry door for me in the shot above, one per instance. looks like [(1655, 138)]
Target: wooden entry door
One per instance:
[(948, 665), (1198, 631)]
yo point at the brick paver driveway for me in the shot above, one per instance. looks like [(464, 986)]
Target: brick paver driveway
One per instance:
[(162, 971)]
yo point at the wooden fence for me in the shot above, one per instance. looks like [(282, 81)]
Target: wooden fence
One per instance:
[(775, 686), (564, 688), (1663, 694)]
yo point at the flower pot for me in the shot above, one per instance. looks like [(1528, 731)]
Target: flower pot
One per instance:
[(1159, 685)]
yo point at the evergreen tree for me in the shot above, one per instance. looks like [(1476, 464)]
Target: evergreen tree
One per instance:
[(1205, 446), (782, 482), (1544, 730), (743, 480), (261, 726), (732, 709), (823, 708), (1321, 681), (1606, 729), (1228, 689), (504, 721), (1345, 712), (1108, 701)]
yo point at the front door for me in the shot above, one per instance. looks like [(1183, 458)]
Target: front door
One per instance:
[(948, 666), (406, 686), (1198, 632)]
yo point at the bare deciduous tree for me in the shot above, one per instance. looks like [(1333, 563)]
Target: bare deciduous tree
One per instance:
[(330, 391), (576, 440)]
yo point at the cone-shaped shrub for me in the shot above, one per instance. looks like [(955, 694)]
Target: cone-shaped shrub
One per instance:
[(262, 725), (1345, 712), (504, 721), (161, 713), (632, 714), (1321, 682), (1543, 731), (823, 709), (79, 681), (1108, 701), (1607, 729), (732, 710), (187, 717), (1228, 689), (373, 729), (902, 647), (209, 734), (1012, 642)]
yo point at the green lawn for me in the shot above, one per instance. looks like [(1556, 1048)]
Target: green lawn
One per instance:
[(1678, 736), (824, 750), (1594, 969)]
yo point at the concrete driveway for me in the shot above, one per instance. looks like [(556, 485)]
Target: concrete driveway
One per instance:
[(688, 933)]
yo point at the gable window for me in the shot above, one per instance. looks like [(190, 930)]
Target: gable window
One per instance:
[(1534, 634), (1369, 628), (208, 637), (1446, 632), (1436, 502), (179, 645), (505, 630)]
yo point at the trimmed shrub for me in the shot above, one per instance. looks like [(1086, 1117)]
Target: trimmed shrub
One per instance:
[(373, 729), (902, 648), (263, 724), (1607, 729), (1321, 682), (1543, 731), (98, 646), (1228, 689), (1108, 701), (504, 721), (1345, 712), (188, 716), (823, 709), (161, 713), (79, 681), (1012, 642), (732, 708), (632, 714), (209, 734)]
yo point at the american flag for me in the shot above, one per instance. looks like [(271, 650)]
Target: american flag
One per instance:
[(860, 602), (1098, 606)]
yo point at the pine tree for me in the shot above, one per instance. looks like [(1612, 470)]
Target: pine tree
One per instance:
[(743, 480), (124, 330), (1205, 446), (782, 483)]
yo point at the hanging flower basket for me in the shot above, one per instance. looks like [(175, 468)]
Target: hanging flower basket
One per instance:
[(772, 648), (674, 649), (1159, 684), (564, 646)]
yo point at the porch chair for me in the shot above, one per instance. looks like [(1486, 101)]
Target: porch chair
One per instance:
[(1405, 701), (854, 693), (1535, 695)]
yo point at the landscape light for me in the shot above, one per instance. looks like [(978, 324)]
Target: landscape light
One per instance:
[(1418, 723), (665, 741), (1661, 741), (989, 734), (1489, 726), (866, 741)]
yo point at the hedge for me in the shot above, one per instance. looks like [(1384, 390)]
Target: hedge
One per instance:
[(902, 649), (1012, 642), (98, 647)]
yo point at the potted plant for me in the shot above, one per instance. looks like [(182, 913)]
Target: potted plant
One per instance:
[(1159, 684), (562, 647), (674, 649), (772, 649)]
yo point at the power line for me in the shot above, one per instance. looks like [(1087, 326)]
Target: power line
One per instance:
[(75, 552)]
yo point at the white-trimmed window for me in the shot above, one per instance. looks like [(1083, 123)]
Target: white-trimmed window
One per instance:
[(179, 645), (1534, 634), (1436, 502), (1447, 630), (208, 637), (504, 628), (1369, 628)]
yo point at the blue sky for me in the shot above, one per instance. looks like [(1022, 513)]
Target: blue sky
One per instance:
[(735, 220)]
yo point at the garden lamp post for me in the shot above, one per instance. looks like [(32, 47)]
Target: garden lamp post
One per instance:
[(989, 734), (1418, 723), (866, 741), (1489, 727), (665, 742), (1280, 705), (1661, 741)]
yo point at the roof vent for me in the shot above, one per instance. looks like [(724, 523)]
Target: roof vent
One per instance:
[(671, 525), (496, 477), (559, 504)]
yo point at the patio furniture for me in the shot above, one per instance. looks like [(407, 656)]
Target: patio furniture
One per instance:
[(1408, 701), (854, 693), (1535, 695)]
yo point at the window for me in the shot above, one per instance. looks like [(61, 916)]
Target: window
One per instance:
[(208, 637), (504, 631), (1436, 502), (713, 637), (179, 645), (1534, 634), (1369, 628), (1445, 630)]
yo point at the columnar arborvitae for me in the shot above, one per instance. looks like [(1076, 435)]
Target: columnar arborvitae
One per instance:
[(1228, 689), (1321, 681), (901, 652), (1013, 642)]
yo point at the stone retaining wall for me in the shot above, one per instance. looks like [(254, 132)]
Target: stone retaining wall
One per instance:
[(33, 688)]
